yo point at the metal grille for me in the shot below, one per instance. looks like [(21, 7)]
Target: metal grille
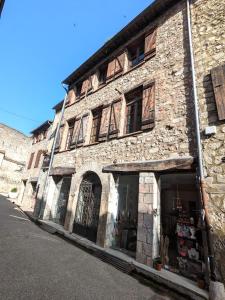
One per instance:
[(87, 212)]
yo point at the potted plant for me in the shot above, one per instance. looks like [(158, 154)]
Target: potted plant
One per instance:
[(157, 264), (13, 193)]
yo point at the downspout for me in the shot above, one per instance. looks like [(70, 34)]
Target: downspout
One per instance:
[(46, 185), (204, 195)]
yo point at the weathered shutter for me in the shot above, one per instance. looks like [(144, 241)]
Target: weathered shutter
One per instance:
[(111, 68), (150, 42), (114, 118), (82, 130), (76, 131), (104, 123), (148, 107), (70, 97), (218, 80), (38, 157), (70, 134), (85, 86), (119, 63), (30, 161), (59, 138)]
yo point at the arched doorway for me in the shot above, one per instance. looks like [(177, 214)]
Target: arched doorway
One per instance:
[(88, 207)]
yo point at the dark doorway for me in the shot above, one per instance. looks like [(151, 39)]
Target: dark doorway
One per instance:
[(88, 207), (62, 196), (125, 227)]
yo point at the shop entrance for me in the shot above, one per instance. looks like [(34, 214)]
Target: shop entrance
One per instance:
[(125, 227), (181, 242), (61, 196), (88, 207)]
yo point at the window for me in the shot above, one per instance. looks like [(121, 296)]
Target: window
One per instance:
[(70, 134), (133, 111), (79, 131), (38, 157), (97, 113), (109, 126), (102, 74), (140, 110), (115, 66), (136, 52), (143, 47), (30, 160), (84, 87)]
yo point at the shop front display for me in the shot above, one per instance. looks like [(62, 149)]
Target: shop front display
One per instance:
[(181, 226)]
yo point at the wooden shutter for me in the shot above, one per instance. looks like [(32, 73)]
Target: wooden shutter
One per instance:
[(150, 42), (76, 131), (59, 138), (38, 157), (86, 85), (82, 130), (30, 160), (119, 63), (114, 118), (104, 123), (69, 134), (70, 97), (218, 80), (148, 107), (116, 65)]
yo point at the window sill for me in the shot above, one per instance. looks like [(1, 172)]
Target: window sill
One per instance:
[(130, 134)]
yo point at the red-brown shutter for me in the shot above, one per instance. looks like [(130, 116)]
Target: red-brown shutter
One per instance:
[(148, 106), (115, 118), (30, 160), (38, 157), (119, 63), (150, 42), (111, 68), (86, 85), (218, 80), (104, 123), (116, 65)]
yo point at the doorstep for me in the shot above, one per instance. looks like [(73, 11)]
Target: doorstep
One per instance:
[(170, 280)]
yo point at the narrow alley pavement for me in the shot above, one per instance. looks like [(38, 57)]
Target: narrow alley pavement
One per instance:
[(37, 265)]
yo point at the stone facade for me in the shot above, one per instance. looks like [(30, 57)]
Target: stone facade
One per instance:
[(209, 50), (173, 135), (14, 147), (34, 175)]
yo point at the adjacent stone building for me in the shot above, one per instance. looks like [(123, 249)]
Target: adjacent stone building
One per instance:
[(125, 169), (34, 174), (14, 147)]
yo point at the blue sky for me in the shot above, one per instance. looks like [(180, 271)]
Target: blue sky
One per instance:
[(42, 42)]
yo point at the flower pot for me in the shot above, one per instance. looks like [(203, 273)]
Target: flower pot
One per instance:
[(158, 266), (201, 283)]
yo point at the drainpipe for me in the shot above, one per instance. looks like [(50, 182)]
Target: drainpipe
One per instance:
[(46, 185), (204, 195)]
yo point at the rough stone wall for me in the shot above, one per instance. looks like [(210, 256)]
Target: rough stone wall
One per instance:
[(172, 135), (26, 198), (209, 49), (14, 147)]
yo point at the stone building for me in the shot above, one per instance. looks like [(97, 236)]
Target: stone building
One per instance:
[(35, 173), (125, 170), (14, 147)]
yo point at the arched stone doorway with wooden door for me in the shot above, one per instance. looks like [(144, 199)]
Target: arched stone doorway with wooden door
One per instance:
[(88, 207)]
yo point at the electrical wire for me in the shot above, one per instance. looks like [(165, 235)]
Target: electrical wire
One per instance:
[(18, 116)]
